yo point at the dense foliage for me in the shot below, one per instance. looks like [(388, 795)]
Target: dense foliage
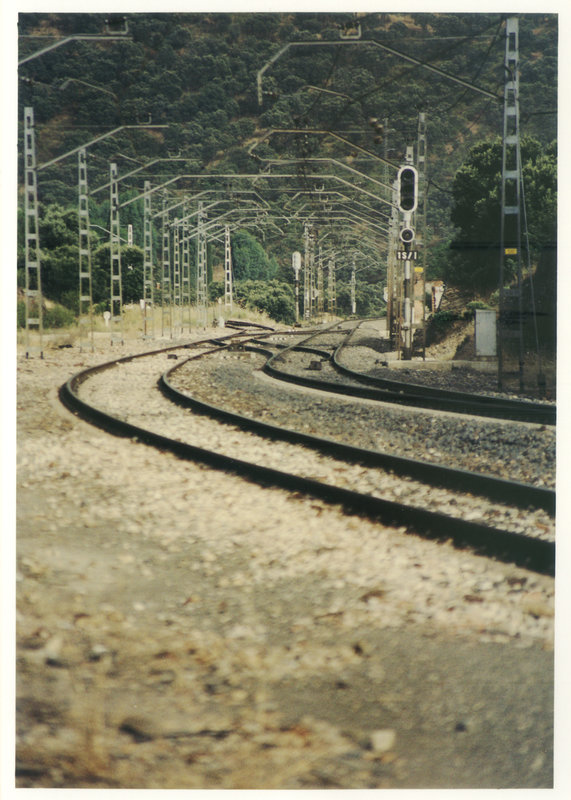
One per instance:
[(273, 297), (249, 259), (177, 97), (369, 299), (476, 211)]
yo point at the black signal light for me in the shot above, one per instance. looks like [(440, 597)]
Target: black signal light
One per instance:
[(406, 235), (408, 186)]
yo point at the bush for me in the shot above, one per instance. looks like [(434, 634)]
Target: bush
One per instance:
[(99, 308), (70, 300), (272, 297), (475, 305), (58, 317), (442, 319), (215, 290), (54, 317)]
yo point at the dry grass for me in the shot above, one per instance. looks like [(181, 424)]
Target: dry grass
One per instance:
[(133, 326)]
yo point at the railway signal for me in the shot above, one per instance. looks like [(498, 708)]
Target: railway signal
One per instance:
[(407, 189), (406, 235)]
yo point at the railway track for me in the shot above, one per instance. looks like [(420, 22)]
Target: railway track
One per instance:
[(87, 394), (410, 394)]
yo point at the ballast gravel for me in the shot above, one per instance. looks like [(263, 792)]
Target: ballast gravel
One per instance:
[(180, 627), (234, 381)]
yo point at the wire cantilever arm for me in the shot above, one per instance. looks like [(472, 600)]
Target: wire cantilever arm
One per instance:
[(393, 51)]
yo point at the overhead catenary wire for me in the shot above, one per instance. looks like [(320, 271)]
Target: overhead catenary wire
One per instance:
[(359, 98)]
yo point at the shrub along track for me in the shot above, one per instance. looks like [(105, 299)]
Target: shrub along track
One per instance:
[(533, 553)]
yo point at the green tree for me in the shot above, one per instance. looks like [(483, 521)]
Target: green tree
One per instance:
[(369, 298), (476, 212), (132, 258), (60, 273), (250, 260), (58, 226)]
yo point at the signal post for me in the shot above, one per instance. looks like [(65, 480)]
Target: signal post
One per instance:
[(407, 200)]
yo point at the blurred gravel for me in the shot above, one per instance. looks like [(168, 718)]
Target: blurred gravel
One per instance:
[(182, 628)]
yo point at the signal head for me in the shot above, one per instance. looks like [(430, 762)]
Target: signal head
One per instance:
[(406, 235), (407, 189)]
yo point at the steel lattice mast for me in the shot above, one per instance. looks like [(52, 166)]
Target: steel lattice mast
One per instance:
[(511, 311), (185, 278), (331, 288), (148, 276), (177, 316), (421, 162), (33, 288), (320, 281), (306, 274), (227, 270), (392, 292), (116, 284), (201, 275), (166, 315), (85, 275), (312, 289), (353, 286)]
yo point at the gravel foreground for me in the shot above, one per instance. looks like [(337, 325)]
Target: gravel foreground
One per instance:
[(180, 628)]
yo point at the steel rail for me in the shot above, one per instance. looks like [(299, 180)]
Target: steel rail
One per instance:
[(509, 492), (484, 405), (401, 393), (534, 554)]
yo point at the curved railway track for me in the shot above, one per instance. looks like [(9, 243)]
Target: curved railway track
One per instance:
[(410, 394), (533, 553)]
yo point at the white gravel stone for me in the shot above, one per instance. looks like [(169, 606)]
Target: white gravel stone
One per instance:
[(383, 740)]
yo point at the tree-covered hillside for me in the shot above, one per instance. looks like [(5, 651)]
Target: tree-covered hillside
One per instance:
[(184, 88)]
